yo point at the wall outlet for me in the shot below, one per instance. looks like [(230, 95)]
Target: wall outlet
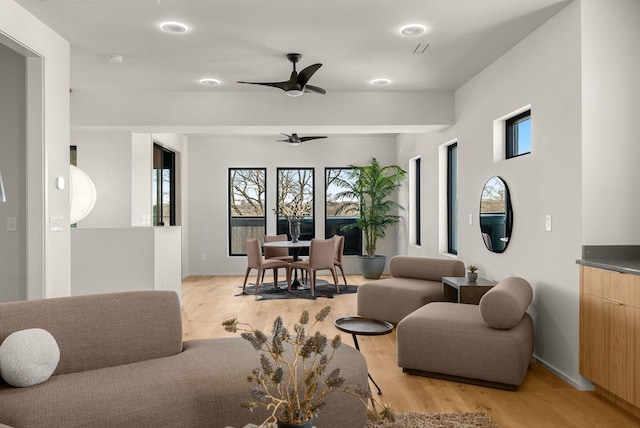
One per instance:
[(203, 257)]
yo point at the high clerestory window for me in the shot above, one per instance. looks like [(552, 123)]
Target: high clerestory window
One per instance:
[(518, 135)]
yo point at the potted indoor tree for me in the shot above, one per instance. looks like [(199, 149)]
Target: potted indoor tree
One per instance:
[(373, 187)]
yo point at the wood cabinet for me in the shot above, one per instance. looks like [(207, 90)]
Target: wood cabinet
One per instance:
[(610, 332)]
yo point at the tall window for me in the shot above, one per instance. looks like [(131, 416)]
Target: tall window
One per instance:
[(164, 186), (415, 201), (518, 135), (296, 189), (452, 198), (340, 212), (247, 202)]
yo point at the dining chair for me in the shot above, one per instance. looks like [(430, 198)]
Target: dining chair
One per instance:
[(279, 253), (321, 257), (255, 261), (337, 257)]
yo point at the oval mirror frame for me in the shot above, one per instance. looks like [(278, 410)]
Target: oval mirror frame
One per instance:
[(496, 215)]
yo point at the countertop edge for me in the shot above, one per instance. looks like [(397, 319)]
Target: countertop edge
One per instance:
[(617, 266)]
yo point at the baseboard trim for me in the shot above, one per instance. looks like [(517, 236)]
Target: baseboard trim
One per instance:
[(582, 384)]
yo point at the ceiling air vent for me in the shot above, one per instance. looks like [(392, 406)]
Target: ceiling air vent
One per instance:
[(421, 48)]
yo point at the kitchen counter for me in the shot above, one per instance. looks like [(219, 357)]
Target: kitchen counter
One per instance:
[(619, 258)]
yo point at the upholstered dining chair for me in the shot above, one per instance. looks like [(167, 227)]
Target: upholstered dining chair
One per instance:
[(321, 257), (337, 258), (279, 253), (255, 261)]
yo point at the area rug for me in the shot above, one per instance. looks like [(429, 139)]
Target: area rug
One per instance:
[(323, 290), (438, 420)]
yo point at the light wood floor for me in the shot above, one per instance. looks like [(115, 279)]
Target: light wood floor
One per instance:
[(543, 400)]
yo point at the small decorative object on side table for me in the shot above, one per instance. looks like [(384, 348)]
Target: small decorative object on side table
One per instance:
[(472, 273), (363, 327), (462, 290)]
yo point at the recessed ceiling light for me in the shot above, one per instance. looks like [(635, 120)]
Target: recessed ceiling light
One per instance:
[(380, 82), (174, 27), (413, 30), (115, 59), (209, 82)]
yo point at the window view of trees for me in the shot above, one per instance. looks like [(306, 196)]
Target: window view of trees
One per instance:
[(247, 202), (340, 212), (295, 198), (163, 184)]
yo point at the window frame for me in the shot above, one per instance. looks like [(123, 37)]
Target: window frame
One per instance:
[(512, 135), (281, 223), (416, 201), (452, 198), (230, 216), (351, 248), (158, 213)]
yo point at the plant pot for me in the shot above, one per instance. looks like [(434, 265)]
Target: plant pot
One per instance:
[(307, 424), (472, 277), (372, 267)]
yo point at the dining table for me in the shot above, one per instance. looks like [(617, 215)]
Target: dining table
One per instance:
[(295, 247)]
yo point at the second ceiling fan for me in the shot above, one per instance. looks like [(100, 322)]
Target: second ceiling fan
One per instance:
[(294, 140), (297, 83)]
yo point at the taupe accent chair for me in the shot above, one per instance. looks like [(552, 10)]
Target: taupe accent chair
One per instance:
[(321, 257), (339, 251), (415, 281), (255, 261), (489, 344)]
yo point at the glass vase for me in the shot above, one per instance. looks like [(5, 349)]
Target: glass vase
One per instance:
[(294, 228)]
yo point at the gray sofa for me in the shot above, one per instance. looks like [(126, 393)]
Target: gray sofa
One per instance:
[(123, 364), (489, 344), (414, 282)]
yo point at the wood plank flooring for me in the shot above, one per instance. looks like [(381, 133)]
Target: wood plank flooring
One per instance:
[(543, 400)]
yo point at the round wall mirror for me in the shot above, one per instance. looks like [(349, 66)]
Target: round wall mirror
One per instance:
[(496, 216)]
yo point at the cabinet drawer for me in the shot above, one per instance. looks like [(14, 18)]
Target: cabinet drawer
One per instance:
[(610, 285)]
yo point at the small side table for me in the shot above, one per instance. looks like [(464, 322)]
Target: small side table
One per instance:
[(460, 290), (363, 327)]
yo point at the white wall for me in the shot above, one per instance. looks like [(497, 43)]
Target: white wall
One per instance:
[(13, 251), (106, 158), (209, 160), (543, 70), (610, 144), (48, 262)]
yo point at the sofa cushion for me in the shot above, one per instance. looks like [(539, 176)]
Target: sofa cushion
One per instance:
[(102, 330), (28, 357), (426, 268), (504, 305)]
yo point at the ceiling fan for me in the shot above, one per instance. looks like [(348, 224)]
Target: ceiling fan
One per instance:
[(294, 140), (297, 83)]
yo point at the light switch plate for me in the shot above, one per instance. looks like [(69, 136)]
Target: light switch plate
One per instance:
[(547, 223), (56, 224)]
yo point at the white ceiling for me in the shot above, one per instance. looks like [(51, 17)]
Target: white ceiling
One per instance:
[(230, 40)]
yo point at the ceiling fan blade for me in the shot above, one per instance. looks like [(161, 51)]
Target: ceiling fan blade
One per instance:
[(303, 139), (306, 74), (279, 85), (315, 89)]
